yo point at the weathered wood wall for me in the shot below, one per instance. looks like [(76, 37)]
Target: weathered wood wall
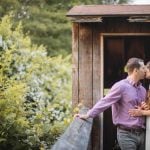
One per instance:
[(86, 54)]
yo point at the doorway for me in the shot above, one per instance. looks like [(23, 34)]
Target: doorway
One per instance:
[(116, 51)]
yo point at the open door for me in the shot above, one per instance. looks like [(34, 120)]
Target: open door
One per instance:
[(117, 50)]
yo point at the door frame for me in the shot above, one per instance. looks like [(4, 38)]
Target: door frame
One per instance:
[(102, 36)]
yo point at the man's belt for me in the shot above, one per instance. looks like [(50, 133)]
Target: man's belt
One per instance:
[(133, 130)]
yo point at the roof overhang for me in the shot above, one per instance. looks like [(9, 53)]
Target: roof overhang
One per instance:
[(95, 13)]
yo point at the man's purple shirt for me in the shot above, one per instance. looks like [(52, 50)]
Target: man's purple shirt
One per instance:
[(124, 95)]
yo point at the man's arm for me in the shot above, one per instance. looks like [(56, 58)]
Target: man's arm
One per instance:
[(104, 103)]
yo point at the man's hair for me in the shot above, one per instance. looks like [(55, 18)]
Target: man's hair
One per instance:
[(133, 63), (148, 65)]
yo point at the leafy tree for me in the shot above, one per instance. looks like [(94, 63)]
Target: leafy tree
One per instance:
[(46, 21), (35, 91)]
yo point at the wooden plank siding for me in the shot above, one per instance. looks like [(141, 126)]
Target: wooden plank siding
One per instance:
[(96, 87), (85, 65), (86, 89), (75, 64), (121, 25), (87, 77)]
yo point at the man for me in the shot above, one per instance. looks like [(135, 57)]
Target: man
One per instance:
[(140, 112), (123, 96)]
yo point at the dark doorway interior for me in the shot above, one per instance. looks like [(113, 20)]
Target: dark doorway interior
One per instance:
[(117, 50)]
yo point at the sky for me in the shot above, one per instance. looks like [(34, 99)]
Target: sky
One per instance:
[(141, 1)]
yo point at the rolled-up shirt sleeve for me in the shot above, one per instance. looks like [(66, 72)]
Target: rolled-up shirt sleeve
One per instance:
[(112, 97)]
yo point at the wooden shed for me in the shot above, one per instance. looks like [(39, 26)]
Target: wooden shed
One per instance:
[(104, 37)]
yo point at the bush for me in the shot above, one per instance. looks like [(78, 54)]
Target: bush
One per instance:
[(35, 92)]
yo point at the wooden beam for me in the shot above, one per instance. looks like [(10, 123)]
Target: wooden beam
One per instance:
[(85, 65), (75, 65), (96, 87), (86, 19), (139, 19)]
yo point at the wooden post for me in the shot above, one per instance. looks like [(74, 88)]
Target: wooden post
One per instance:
[(75, 64), (85, 64), (96, 87)]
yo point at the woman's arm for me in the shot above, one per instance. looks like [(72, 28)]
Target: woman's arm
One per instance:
[(145, 112), (139, 112)]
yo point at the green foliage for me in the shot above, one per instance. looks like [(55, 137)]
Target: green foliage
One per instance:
[(35, 91), (46, 21)]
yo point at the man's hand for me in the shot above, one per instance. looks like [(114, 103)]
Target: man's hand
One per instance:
[(82, 116)]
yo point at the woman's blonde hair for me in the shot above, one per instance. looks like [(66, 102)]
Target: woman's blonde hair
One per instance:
[(148, 98)]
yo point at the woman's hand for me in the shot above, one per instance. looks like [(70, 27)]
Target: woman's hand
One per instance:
[(135, 112), (144, 106), (138, 110)]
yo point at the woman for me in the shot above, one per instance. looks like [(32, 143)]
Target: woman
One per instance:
[(140, 112)]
